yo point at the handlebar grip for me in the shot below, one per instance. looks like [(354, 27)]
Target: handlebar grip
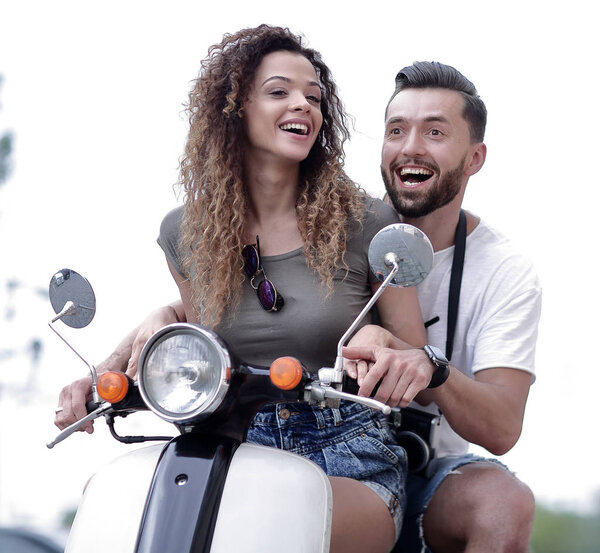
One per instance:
[(91, 406), (350, 386)]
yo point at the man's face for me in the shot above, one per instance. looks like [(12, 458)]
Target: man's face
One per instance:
[(427, 151)]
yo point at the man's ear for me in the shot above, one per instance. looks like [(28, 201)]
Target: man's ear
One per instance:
[(477, 159)]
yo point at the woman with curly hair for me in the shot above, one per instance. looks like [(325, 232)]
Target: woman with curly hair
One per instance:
[(270, 250)]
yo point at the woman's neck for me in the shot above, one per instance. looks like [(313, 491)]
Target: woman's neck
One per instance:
[(272, 191)]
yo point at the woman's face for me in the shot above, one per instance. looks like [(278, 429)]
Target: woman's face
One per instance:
[(282, 115)]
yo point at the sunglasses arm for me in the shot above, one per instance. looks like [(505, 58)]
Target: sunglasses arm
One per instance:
[(392, 261)]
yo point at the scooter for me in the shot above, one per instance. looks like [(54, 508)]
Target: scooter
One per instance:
[(207, 490)]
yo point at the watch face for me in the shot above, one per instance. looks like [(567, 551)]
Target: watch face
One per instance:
[(436, 353)]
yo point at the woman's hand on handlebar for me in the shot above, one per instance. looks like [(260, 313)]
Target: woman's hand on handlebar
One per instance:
[(71, 404), (72, 398)]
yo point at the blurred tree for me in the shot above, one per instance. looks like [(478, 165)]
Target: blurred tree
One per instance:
[(561, 531), (6, 141)]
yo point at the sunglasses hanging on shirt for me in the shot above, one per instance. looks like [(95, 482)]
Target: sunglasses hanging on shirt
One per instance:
[(268, 297)]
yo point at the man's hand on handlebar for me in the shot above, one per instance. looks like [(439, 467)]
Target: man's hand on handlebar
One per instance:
[(374, 355)]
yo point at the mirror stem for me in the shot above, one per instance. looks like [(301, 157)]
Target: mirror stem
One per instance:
[(391, 260), (69, 309)]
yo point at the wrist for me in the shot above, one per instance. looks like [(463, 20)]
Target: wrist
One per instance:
[(441, 366)]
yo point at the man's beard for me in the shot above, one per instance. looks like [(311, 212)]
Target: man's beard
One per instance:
[(417, 203)]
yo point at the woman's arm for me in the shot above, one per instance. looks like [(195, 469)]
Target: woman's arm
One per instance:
[(72, 398), (400, 314)]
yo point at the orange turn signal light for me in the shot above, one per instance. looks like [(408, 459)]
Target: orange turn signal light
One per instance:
[(112, 386), (286, 373)]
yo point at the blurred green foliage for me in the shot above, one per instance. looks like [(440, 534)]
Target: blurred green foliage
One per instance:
[(564, 531)]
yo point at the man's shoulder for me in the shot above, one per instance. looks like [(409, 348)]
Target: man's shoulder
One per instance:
[(488, 242), (492, 257)]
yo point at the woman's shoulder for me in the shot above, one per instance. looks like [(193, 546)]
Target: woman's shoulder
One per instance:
[(378, 214), (171, 223)]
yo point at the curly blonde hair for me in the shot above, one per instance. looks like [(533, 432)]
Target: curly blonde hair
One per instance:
[(211, 173)]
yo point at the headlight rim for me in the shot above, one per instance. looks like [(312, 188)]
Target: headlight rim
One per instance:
[(217, 394)]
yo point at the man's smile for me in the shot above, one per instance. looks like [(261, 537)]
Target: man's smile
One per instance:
[(411, 176)]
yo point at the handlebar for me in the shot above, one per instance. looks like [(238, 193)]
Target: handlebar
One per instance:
[(104, 408), (319, 392)]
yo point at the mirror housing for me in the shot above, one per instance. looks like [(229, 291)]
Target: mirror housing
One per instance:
[(413, 251), (72, 298)]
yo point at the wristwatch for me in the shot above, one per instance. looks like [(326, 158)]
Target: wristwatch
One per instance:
[(442, 366)]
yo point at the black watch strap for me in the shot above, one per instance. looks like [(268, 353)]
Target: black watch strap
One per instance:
[(442, 366)]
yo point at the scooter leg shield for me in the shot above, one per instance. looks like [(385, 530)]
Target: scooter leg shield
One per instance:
[(109, 514), (273, 501)]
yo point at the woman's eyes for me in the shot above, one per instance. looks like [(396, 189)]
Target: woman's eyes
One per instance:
[(281, 93)]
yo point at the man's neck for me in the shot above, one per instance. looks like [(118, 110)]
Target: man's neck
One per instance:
[(440, 225)]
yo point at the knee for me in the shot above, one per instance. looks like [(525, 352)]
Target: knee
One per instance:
[(510, 497), (508, 513), (481, 503)]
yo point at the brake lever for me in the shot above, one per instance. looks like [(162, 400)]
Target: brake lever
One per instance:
[(105, 408), (320, 393)]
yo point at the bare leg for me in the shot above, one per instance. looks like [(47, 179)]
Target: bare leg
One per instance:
[(361, 520), (483, 509)]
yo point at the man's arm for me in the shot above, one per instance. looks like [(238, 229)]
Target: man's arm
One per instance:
[(487, 410)]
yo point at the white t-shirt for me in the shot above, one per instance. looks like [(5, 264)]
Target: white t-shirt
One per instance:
[(498, 314)]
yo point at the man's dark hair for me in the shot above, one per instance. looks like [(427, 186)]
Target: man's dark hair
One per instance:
[(432, 74)]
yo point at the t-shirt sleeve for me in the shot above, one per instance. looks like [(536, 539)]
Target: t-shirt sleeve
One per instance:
[(169, 236), (508, 336)]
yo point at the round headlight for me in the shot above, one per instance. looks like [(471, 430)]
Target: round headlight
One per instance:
[(183, 372)]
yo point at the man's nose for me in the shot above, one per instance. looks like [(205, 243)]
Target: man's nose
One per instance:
[(413, 145)]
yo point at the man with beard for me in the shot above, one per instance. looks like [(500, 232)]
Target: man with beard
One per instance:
[(433, 143)]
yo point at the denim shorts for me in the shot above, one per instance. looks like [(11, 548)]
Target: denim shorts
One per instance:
[(353, 441), (420, 490)]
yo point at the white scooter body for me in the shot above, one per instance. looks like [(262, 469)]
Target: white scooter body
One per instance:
[(270, 500), (273, 501)]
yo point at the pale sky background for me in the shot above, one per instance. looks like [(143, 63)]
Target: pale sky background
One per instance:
[(93, 92)]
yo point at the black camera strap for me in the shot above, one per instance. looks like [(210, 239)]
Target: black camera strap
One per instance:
[(458, 260)]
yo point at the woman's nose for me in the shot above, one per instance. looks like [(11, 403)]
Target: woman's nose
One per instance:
[(299, 103)]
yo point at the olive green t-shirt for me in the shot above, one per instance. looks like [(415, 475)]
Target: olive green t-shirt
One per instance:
[(310, 323)]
